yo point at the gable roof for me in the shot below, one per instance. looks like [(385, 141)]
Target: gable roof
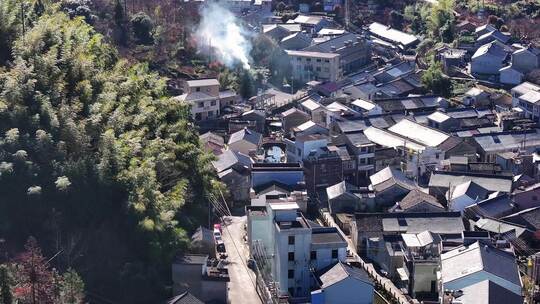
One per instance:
[(421, 239), (185, 298), (212, 137), (466, 260), (388, 177), (419, 133), (247, 135), (494, 48), (230, 158), (338, 189), (443, 179), (391, 34), (311, 105), (488, 292), (528, 217), (471, 189), (416, 197), (448, 223), (496, 205), (342, 271)]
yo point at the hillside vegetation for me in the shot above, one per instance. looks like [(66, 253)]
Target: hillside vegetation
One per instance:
[(96, 161)]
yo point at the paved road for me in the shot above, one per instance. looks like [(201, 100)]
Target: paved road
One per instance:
[(241, 288)]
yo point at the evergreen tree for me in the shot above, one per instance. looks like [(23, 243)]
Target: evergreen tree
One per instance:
[(5, 286), (246, 85)]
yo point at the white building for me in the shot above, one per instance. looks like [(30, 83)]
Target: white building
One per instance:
[(467, 265), (293, 246), (205, 98), (489, 59), (420, 145), (527, 97)]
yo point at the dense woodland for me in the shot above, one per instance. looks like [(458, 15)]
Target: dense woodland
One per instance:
[(97, 163)]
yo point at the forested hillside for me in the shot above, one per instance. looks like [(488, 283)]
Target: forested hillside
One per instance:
[(96, 161)]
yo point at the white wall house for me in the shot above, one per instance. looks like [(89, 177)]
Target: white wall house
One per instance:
[(344, 284), (477, 262), (489, 59)]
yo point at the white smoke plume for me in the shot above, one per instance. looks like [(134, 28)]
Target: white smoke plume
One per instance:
[(220, 33)]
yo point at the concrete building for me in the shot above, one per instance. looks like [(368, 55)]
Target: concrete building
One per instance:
[(205, 98), (354, 51), (527, 97), (307, 65), (294, 246), (421, 253)]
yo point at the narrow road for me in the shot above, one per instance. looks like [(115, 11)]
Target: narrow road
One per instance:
[(241, 288)]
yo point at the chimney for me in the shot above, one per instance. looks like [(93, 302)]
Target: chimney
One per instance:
[(333, 48)]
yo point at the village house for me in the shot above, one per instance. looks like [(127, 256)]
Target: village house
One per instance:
[(205, 98), (477, 262)]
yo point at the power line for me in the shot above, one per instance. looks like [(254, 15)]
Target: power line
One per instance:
[(221, 216)]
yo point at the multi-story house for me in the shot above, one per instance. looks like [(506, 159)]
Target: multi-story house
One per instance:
[(309, 65), (205, 98), (353, 49), (292, 247), (527, 97)]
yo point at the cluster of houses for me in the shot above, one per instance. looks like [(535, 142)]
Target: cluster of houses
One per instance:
[(441, 195)]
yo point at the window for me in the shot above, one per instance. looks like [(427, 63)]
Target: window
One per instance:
[(318, 69), (299, 152), (308, 59), (362, 160), (291, 239), (318, 60), (291, 256), (197, 89), (201, 104), (213, 103), (198, 116), (334, 253), (327, 60), (291, 291), (313, 255), (437, 155), (291, 274), (327, 70), (298, 59), (210, 113)]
